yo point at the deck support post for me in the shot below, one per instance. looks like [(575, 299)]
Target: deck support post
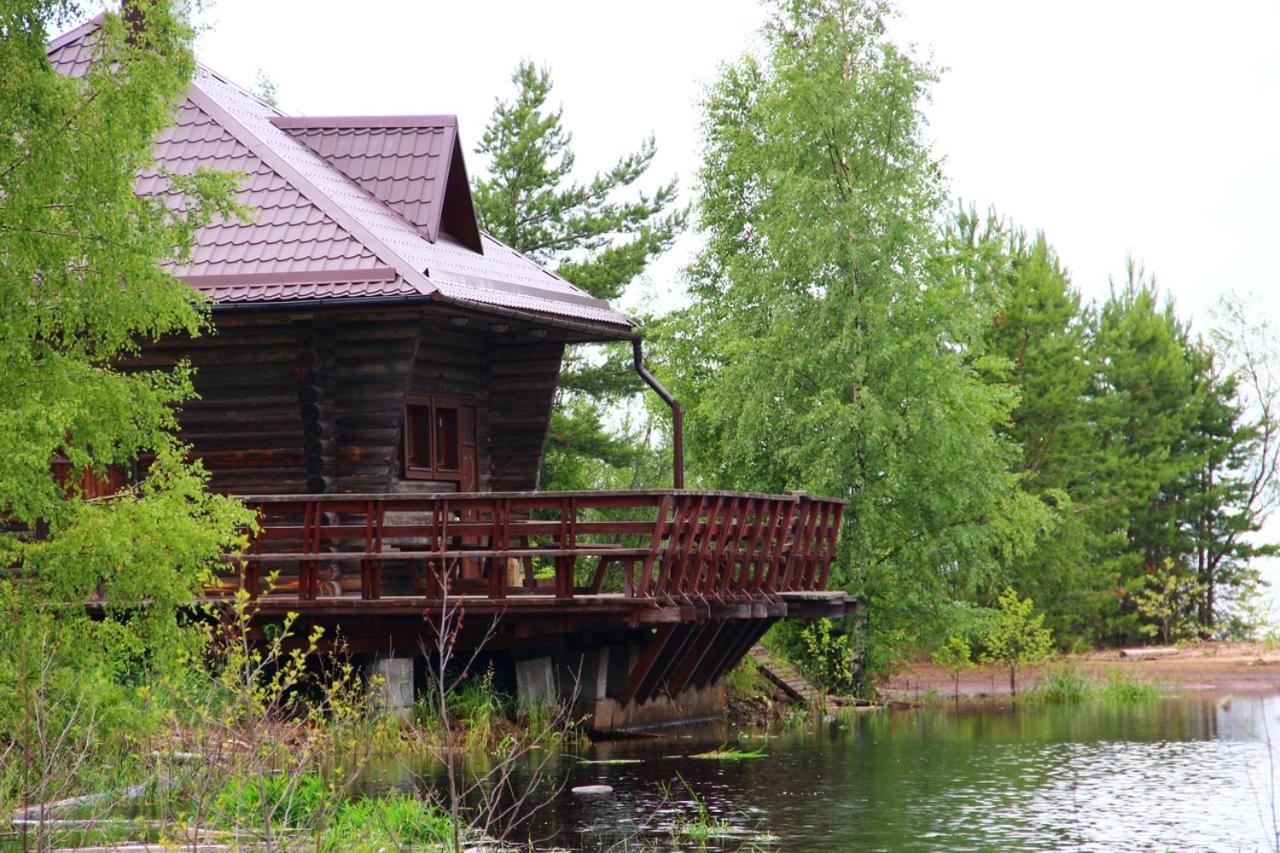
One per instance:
[(587, 672), (393, 689), (535, 681)]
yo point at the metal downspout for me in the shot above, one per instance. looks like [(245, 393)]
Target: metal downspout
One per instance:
[(677, 418)]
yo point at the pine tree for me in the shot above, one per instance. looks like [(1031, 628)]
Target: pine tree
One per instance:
[(1039, 332), (1147, 404), (1228, 495), (593, 237)]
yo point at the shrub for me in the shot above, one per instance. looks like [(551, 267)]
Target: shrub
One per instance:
[(1125, 688), (284, 801), (1016, 636)]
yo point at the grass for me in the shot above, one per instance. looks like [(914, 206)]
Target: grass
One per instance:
[(1123, 688), (700, 827), (1067, 685), (390, 822), (745, 680)]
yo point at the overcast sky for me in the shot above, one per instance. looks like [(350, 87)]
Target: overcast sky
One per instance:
[(1121, 127)]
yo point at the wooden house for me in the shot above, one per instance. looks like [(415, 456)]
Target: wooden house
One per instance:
[(380, 384)]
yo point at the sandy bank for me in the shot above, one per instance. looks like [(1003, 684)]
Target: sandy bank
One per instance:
[(1229, 667)]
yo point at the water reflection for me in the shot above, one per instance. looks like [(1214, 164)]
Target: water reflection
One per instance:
[(1181, 773)]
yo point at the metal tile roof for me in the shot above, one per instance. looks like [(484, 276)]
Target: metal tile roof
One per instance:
[(401, 162), (346, 207)]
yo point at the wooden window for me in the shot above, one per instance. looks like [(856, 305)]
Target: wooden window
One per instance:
[(439, 434), (417, 438), (446, 438)]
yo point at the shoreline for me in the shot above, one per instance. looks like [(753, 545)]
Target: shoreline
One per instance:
[(1225, 667)]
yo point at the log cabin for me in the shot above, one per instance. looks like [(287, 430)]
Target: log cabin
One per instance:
[(379, 386)]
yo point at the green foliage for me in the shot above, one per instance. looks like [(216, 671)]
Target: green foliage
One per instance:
[(745, 680), (83, 285), (828, 657), (827, 347), (955, 655), (1039, 334), (1066, 685), (599, 234), (1015, 636), (1063, 685), (1163, 602), (292, 803), (390, 822), (1142, 442), (1124, 688)]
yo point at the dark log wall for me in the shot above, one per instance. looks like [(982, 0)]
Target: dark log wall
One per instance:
[(247, 424), (373, 357), (294, 403), (522, 387), (453, 364)]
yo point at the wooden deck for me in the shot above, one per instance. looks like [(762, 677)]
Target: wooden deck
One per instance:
[(653, 550), (672, 587)]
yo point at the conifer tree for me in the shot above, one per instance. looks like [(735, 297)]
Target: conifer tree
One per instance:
[(1039, 331), (599, 234)]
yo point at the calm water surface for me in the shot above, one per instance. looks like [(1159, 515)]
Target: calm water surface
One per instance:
[(1189, 772)]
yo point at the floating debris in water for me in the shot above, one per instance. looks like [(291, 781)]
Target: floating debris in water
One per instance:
[(592, 790)]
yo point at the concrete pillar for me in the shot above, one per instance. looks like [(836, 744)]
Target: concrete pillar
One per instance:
[(535, 681), (620, 662), (392, 678)]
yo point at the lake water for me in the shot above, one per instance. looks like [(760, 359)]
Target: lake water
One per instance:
[(1189, 772)]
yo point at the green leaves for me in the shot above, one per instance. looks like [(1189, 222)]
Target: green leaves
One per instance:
[(83, 286), (825, 349), (531, 200), (1015, 636)]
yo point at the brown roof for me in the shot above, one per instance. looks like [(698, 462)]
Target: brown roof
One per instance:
[(340, 207)]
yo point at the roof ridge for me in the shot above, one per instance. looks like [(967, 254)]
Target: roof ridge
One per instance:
[(265, 152), (342, 122), (244, 90)]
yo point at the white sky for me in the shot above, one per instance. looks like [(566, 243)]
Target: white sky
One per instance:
[(1116, 126), (1150, 128)]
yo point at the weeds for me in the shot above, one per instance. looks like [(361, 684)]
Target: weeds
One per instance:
[(390, 822), (1066, 685)]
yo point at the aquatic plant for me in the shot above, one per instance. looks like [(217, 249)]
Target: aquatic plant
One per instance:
[(700, 827), (1063, 685), (1125, 687), (730, 753)]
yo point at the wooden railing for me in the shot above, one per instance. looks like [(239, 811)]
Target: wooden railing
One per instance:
[(669, 546)]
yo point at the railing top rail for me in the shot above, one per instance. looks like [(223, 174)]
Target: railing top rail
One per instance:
[(480, 496)]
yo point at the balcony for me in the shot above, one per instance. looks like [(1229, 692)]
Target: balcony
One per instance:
[(641, 553)]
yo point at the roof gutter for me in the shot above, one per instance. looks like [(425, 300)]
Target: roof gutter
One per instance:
[(597, 332), (677, 417)]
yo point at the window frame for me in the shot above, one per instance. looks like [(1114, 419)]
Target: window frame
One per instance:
[(434, 470)]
